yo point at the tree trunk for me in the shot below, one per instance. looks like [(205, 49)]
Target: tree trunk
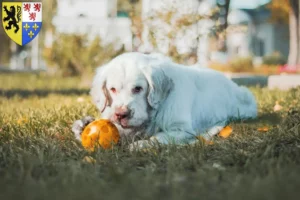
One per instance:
[(293, 58), (226, 23), (298, 29), (226, 13), (222, 39)]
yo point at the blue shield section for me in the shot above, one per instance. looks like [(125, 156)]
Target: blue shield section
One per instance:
[(30, 31)]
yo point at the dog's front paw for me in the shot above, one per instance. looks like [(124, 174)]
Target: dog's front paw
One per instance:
[(143, 145), (79, 125), (140, 145)]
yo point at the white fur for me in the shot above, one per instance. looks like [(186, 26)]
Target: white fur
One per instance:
[(177, 102)]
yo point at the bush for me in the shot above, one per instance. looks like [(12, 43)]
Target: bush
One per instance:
[(219, 66), (245, 65), (76, 55), (238, 64), (274, 59), (241, 64)]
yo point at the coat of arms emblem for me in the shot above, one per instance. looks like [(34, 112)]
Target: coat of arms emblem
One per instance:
[(22, 21)]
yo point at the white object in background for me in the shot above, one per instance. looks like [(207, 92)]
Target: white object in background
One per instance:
[(283, 82)]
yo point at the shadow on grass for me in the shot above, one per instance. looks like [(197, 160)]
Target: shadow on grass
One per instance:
[(261, 81), (266, 118), (41, 93)]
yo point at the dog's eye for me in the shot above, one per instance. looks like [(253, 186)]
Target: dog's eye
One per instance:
[(113, 90), (137, 89)]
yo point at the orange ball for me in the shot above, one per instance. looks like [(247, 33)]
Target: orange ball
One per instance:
[(100, 132)]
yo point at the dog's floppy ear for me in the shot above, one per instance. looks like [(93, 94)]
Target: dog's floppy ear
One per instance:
[(99, 92), (160, 85)]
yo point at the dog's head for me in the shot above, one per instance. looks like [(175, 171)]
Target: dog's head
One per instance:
[(131, 85)]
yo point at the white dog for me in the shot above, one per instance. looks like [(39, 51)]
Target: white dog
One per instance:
[(151, 95)]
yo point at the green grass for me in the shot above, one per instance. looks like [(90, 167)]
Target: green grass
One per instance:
[(40, 159)]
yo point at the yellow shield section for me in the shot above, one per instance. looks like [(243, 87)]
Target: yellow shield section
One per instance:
[(12, 20)]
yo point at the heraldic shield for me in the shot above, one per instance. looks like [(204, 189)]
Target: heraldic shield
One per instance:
[(22, 21)]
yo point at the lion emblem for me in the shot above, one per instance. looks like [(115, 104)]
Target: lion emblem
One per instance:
[(12, 17)]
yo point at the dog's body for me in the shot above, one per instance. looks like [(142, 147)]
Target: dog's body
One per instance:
[(149, 94)]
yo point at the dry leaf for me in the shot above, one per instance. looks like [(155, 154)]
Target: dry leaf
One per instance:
[(295, 101), (22, 120), (80, 99), (205, 141), (225, 132), (263, 129), (89, 159), (59, 136), (150, 150), (218, 166), (277, 107)]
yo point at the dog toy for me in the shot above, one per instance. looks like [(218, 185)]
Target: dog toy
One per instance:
[(100, 133)]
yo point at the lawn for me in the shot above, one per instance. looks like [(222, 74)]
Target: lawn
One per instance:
[(40, 159)]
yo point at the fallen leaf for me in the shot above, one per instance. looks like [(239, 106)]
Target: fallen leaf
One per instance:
[(205, 141), (263, 129), (59, 136), (150, 150), (22, 120), (89, 159), (225, 132), (80, 99), (277, 107), (218, 166)]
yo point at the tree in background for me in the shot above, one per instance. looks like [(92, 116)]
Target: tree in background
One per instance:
[(171, 25), (279, 11), (294, 23), (133, 9), (287, 11), (164, 26), (223, 6), (49, 10)]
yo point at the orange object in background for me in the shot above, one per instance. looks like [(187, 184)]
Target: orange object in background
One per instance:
[(225, 132), (263, 129), (100, 133)]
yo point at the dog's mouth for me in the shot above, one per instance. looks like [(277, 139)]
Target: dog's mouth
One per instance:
[(124, 123), (129, 122)]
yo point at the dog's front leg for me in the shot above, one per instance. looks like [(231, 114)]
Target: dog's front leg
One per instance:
[(79, 125), (174, 137), (164, 138)]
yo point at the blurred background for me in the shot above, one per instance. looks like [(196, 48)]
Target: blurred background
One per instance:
[(249, 36)]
